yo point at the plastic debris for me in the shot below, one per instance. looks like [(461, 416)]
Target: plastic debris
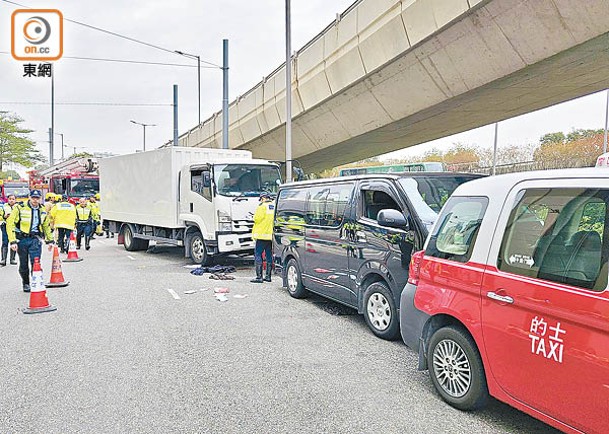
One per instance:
[(192, 266), (204, 289), (221, 297), (221, 290), (192, 291), (240, 296)]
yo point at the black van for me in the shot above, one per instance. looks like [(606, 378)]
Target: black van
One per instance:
[(350, 238)]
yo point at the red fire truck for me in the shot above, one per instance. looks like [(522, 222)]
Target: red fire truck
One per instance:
[(20, 188), (75, 178)]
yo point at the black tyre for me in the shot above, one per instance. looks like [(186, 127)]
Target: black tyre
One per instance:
[(198, 252), (128, 240), (456, 369), (380, 311), (131, 243), (294, 280)]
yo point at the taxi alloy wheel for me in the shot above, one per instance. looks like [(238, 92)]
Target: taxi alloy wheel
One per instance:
[(456, 369), (294, 280), (380, 311)]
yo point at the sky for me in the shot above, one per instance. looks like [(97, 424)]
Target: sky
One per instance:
[(255, 30)]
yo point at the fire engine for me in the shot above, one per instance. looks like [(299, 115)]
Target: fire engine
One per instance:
[(75, 178), (19, 188)]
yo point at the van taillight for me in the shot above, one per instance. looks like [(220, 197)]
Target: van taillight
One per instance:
[(415, 267)]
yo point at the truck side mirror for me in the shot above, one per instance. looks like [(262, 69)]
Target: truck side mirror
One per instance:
[(392, 218), (206, 179)]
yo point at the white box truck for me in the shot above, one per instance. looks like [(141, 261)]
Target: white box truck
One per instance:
[(202, 199)]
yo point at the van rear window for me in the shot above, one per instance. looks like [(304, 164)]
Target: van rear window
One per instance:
[(558, 235)]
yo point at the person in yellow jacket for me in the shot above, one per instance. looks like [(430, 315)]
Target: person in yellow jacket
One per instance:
[(262, 233), (63, 218), (86, 217), (5, 213), (49, 201), (94, 205), (27, 225)]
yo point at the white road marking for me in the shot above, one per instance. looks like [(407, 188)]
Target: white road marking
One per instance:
[(173, 293), (131, 257)]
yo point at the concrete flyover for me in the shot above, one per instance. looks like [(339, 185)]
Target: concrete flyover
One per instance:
[(390, 74)]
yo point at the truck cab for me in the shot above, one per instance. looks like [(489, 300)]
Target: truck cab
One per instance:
[(220, 199)]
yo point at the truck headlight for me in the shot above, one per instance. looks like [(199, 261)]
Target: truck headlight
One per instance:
[(226, 227), (224, 217)]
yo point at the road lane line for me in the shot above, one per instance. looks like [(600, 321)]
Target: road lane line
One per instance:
[(131, 257), (173, 293)]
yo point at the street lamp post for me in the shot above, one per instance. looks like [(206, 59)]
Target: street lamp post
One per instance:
[(192, 56), (143, 125)]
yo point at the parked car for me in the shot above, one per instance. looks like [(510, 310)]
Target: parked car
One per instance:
[(509, 297), (350, 239)]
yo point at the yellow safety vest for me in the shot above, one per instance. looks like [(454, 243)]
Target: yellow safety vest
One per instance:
[(63, 215), (263, 221), (21, 220), (84, 214)]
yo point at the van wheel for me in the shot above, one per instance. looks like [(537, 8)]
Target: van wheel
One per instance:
[(198, 252), (294, 280), (456, 369), (380, 311)]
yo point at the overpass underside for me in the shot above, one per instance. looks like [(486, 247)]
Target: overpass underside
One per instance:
[(412, 71)]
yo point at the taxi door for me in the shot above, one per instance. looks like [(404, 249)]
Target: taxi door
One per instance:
[(545, 307)]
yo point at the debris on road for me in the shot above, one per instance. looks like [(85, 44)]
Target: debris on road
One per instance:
[(192, 266), (221, 276), (221, 290), (192, 291), (216, 269), (221, 297), (204, 289), (240, 296)]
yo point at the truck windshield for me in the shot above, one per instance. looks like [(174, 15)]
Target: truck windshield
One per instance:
[(83, 187), (246, 179), (20, 191)]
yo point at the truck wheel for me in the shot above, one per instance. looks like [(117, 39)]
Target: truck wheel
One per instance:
[(131, 243), (456, 369), (380, 312), (198, 252), (128, 240)]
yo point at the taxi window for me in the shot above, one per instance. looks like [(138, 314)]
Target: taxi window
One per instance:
[(455, 234), (558, 235)]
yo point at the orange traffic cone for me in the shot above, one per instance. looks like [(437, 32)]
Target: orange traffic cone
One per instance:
[(72, 253), (38, 295), (57, 280)]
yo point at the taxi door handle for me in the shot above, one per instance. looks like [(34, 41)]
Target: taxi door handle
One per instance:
[(501, 298)]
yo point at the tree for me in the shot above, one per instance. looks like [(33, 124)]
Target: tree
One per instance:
[(15, 146), (9, 174), (579, 146)]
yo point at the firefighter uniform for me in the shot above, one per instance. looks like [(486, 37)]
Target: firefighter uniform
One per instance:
[(262, 233), (86, 217), (63, 217), (26, 226), (5, 213), (95, 207)]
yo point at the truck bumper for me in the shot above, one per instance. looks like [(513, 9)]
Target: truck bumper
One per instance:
[(235, 242)]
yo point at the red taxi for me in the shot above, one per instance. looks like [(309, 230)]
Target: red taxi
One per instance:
[(509, 298)]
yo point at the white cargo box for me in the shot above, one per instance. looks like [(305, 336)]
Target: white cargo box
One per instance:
[(143, 187)]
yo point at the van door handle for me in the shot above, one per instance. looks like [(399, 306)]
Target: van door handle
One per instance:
[(501, 298)]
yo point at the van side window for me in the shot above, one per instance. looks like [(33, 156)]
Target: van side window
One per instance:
[(326, 205), (291, 205), (375, 201), (455, 234), (558, 235)]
